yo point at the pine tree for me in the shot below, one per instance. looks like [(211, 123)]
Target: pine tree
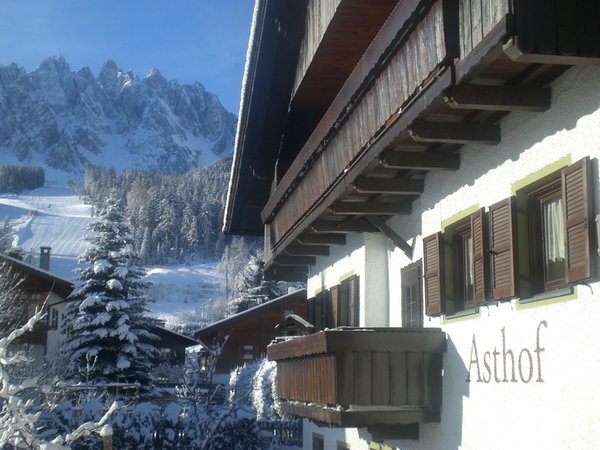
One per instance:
[(109, 339)]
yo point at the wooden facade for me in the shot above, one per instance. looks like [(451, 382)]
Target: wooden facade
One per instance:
[(245, 336)]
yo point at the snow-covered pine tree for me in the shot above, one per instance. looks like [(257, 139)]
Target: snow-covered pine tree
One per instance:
[(251, 286), (110, 338)]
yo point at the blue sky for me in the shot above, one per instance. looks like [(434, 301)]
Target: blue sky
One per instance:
[(187, 40)]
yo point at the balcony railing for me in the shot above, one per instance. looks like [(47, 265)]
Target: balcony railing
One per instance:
[(362, 376)]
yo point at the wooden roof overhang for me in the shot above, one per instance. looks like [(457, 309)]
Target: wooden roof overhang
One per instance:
[(270, 70), (292, 78), (431, 81)]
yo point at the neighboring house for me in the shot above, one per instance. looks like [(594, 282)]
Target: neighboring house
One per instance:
[(430, 168), (245, 336), (40, 288)]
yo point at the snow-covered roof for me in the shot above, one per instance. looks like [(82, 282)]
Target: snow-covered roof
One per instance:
[(44, 274), (255, 311)]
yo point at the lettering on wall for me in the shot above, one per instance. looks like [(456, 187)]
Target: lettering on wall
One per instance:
[(508, 365)]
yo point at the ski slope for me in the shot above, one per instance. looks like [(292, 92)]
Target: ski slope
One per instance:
[(55, 217), (52, 217)]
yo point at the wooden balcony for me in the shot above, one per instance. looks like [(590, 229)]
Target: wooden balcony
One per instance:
[(362, 376)]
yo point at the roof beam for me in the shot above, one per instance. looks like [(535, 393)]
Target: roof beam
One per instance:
[(371, 208), (455, 133), (289, 260), (307, 250), (400, 186), (275, 272), (420, 160), (323, 238), (498, 98), (392, 235), (349, 226)]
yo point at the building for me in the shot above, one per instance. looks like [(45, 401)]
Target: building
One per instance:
[(430, 167), (42, 289), (245, 336)]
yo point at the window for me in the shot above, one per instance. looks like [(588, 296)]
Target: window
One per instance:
[(54, 318), (412, 313), (546, 227), (336, 307), (318, 442), (247, 353), (554, 229)]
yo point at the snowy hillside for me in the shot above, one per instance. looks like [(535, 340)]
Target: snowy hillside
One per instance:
[(57, 218)]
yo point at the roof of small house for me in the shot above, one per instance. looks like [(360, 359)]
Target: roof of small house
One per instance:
[(236, 319)]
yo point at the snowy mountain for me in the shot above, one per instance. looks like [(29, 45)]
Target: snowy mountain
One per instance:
[(63, 120)]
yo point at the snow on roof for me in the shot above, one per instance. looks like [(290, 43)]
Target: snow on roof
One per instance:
[(44, 273), (259, 8)]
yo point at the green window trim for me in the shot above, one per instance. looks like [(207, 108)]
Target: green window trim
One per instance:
[(547, 299), (459, 216), (533, 178)]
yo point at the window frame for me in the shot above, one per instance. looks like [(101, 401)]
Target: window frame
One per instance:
[(410, 279)]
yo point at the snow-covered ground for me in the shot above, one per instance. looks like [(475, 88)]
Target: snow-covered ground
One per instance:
[(56, 217)]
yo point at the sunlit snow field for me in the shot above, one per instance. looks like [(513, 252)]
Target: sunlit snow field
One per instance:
[(56, 217)]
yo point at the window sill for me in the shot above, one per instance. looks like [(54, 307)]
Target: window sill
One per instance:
[(459, 316), (548, 298)]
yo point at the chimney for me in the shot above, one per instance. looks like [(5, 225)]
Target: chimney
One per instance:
[(45, 258)]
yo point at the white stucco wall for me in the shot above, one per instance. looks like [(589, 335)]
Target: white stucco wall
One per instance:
[(553, 404)]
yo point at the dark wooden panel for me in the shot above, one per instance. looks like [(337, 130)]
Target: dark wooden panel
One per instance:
[(371, 208), (346, 382), (566, 14), (308, 250), (323, 238), (499, 98), (545, 26), (415, 384), (455, 133), (398, 379), (363, 382), (400, 186), (501, 222), (381, 378), (420, 160)]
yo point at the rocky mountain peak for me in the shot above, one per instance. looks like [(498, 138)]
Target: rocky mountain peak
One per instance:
[(66, 120)]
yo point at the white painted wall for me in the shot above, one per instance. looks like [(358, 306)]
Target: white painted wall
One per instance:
[(557, 406)]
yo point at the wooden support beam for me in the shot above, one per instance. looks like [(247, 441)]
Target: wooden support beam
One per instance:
[(307, 250), (420, 160), (499, 98), (280, 273), (349, 226), (288, 260), (323, 238), (400, 186), (392, 235), (455, 133), (371, 208)]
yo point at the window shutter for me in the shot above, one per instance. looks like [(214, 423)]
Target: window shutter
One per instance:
[(432, 256), (354, 301), (577, 210), (334, 296), (480, 266), (502, 249), (310, 310)]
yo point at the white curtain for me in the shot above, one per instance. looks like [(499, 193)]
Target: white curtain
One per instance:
[(554, 230)]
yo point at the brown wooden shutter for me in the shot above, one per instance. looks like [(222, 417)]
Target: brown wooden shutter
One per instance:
[(310, 310), (432, 259), (480, 265), (502, 261), (334, 298), (354, 291), (577, 209)]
